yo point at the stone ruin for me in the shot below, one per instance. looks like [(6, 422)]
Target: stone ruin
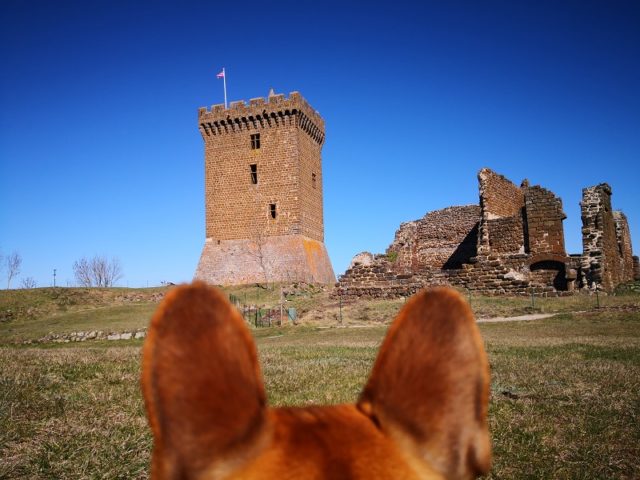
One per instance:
[(512, 243)]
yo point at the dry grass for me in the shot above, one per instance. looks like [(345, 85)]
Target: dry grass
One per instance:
[(565, 396), (32, 314), (72, 413)]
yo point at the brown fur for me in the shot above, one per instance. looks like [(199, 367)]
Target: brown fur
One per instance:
[(422, 414)]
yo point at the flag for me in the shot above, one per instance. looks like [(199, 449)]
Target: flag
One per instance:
[(220, 75)]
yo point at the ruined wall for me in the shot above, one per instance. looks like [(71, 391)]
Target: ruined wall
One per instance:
[(625, 252), (601, 259), (544, 216), (519, 247), (404, 247), (506, 235), (499, 198), (444, 238)]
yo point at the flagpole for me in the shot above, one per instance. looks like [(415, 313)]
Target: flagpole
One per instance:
[(224, 82)]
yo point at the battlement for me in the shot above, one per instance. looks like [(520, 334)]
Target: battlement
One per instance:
[(261, 112)]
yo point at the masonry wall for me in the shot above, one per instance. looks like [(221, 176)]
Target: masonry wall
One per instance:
[(506, 235), (285, 258), (291, 137), (404, 247), (499, 198), (625, 251), (544, 216), (235, 207), (601, 259), (310, 178), (444, 238), (520, 247)]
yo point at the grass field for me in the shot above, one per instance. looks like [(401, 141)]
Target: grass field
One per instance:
[(565, 399), (32, 314)]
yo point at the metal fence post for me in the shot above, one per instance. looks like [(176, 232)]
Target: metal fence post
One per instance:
[(533, 301)]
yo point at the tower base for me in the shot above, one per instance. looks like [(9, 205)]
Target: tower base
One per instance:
[(287, 258)]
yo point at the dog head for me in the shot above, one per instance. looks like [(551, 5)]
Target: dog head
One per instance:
[(422, 413)]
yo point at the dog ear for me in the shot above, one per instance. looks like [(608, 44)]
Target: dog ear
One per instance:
[(202, 384), (429, 386)]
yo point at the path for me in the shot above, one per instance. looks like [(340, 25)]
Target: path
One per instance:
[(520, 318)]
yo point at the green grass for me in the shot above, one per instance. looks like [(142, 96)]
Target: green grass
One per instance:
[(32, 314), (565, 399), (116, 319)]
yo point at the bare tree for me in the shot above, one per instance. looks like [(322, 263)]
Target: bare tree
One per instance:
[(98, 271), (28, 282), (257, 252), (82, 272), (105, 272), (13, 262)]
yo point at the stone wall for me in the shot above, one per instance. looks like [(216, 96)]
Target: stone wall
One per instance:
[(285, 258), (506, 235), (625, 252), (376, 278), (513, 243), (636, 267), (499, 198), (600, 263), (444, 238), (490, 275), (544, 216), (237, 202)]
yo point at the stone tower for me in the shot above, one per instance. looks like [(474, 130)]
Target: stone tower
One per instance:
[(263, 193)]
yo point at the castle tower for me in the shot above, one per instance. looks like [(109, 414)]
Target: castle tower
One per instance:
[(263, 193)]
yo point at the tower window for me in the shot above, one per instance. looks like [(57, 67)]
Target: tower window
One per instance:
[(254, 173), (272, 210), (255, 141), (313, 180)]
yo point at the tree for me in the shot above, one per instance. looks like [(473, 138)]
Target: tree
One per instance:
[(97, 271), (105, 272), (82, 272), (13, 263), (28, 282)]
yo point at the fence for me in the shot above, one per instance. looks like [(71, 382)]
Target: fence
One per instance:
[(260, 316)]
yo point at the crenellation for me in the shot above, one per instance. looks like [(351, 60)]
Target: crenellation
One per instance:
[(261, 107)]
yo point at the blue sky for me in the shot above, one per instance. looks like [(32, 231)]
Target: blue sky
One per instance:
[(100, 151)]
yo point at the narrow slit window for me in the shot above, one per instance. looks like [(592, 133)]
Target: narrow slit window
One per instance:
[(272, 210), (254, 173), (255, 141), (313, 180)]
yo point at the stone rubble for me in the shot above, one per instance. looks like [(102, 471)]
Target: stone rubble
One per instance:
[(82, 336)]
